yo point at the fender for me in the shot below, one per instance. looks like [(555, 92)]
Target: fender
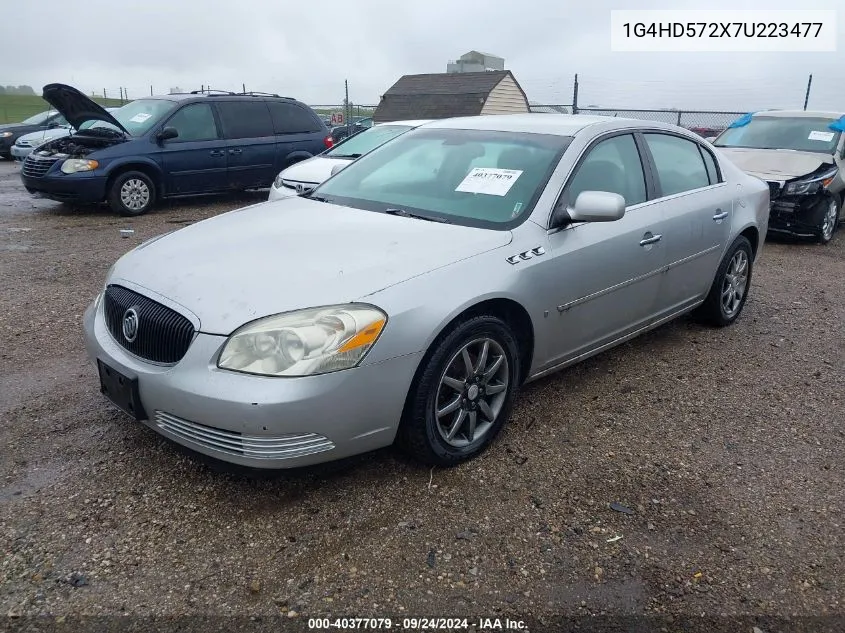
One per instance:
[(295, 157), (145, 163)]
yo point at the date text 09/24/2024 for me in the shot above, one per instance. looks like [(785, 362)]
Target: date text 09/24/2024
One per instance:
[(417, 624)]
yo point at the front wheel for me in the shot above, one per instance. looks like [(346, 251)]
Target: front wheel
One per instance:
[(827, 219), (729, 291), (463, 394), (132, 193)]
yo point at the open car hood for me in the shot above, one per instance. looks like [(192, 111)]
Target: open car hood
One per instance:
[(76, 107)]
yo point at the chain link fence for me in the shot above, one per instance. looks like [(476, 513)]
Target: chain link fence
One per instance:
[(704, 122)]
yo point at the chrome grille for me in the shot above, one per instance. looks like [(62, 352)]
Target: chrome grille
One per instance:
[(36, 166), (163, 335), (252, 446)]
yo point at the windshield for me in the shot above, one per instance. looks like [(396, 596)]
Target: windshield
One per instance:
[(366, 141), (472, 177), (141, 115), (806, 134), (41, 117)]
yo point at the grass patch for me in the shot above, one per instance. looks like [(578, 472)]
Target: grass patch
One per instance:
[(16, 108)]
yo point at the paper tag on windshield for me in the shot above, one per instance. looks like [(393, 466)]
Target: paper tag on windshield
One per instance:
[(827, 137), (489, 180), (140, 117)]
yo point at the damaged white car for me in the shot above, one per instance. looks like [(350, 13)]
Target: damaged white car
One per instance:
[(802, 156)]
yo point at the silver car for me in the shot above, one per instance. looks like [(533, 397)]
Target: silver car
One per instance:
[(410, 295)]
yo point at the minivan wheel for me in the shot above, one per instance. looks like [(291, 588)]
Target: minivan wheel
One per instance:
[(132, 193), (729, 291), (463, 393)]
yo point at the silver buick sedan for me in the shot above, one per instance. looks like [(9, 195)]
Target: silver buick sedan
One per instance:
[(408, 297)]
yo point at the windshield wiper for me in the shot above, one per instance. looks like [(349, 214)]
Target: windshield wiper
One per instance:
[(310, 195), (416, 216), (352, 156)]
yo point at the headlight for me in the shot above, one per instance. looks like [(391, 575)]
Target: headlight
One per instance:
[(304, 343), (73, 165), (278, 182), (5, 134), (810, 186)]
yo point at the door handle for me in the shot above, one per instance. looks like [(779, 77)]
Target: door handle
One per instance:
[(720, 215), (646, 241), (217, 153), (235, 151)]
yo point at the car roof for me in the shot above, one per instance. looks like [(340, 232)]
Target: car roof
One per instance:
[(183, 96), (792, 114), (540, 123), (411, 123)]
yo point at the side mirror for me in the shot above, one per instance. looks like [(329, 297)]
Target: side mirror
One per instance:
[(167, 133), (597, 206), (338, 167)]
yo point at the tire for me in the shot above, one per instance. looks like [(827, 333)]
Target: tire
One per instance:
[(132, 193), (826, 218), (719, 308), (442, 383)]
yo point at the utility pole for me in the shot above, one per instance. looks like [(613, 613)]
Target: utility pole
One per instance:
[(575, 96), (347, 110), (244, 87), (807, 96)]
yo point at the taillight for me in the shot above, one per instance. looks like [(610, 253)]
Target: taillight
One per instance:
[(329, 142)]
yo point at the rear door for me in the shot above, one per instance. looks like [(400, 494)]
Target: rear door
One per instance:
[(194, 161), (697, 207), (251, 142), (298, 133)]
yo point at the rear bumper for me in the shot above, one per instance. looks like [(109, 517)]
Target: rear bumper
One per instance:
[(68, 187)]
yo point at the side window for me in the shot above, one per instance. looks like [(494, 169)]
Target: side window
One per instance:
[(289, 118), (245, 119), (679, 164), (613, 165), (194, 122), (710, 166)]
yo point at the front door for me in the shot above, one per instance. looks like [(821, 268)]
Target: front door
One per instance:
[(194, 161), (604, 276)]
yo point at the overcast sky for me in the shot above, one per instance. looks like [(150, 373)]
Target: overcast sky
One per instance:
[(307, 49)]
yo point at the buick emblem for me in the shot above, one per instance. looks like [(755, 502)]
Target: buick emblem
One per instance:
[(130, 325)]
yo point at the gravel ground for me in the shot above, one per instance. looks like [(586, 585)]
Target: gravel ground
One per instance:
[(727, 447)]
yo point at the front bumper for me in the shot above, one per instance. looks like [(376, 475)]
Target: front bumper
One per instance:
[(794, 215), (83, 188), (256, 421), (21, 152)]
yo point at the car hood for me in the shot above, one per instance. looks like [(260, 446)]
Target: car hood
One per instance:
[(313, 170), (12, 126), (76, 107), (291, 254), (44, 135), (775, 164)]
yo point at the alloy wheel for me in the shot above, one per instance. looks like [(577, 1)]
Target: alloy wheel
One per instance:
[(829, 220), (472, 392), (735, 284)]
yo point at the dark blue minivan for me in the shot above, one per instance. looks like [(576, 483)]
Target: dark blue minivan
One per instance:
[(172, 145)]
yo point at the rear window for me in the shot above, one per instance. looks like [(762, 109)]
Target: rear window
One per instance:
[(245, 119), (290, 118)]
